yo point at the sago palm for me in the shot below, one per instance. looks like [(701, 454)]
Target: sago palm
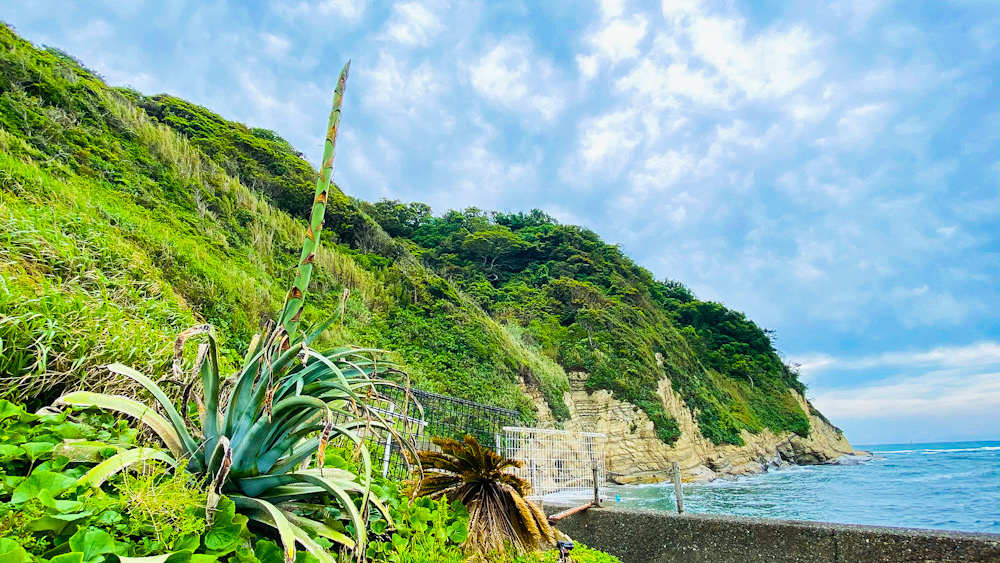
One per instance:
[(284, 405), (499, 513)]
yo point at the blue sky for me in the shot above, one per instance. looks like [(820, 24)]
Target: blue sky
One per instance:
[(832, 168)]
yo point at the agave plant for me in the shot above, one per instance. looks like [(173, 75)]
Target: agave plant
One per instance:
[(499, 513), (285, 404)]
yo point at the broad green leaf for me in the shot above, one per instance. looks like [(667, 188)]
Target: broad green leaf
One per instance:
[(458, 532), (9, 452), (31, 487), (49, 501), (179, 556), (227, 528), (190, 542), (36, 450), (268, 552), (10, 552), (56, 523), (93, 543), (73, 557), (9, 409)]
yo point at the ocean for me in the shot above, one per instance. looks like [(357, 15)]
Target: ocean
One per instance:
[(941, 486)]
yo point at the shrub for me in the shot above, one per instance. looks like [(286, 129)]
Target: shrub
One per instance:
[(499, 515)]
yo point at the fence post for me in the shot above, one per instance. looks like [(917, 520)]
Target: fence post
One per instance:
[(597, 486), (531, 477), (388, 443), (678, 491)]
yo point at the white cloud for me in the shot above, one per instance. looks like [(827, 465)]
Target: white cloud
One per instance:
[(981, 354), (857, 13), (350, 11), (937, 393), (413, 24), (958, 387), (710, 61), (482, 177), (274, 46), (616, 40), (512, 76), (611, 8), (605, 144), (397, 89), (986, 34), (672, 86), (662, 171)]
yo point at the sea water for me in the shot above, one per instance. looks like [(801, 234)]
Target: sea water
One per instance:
[(944, 486)]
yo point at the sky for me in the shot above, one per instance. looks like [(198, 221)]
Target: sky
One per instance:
[(831, 168)]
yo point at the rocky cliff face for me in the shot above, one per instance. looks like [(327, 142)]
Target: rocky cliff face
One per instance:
[(636, 455)]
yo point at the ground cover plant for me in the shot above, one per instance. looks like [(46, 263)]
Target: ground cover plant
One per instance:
[(52, 507)]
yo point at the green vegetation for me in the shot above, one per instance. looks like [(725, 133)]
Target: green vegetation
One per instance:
[(575, 303), (125, 219)]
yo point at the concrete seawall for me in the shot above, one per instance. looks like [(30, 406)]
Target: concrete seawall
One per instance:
[(660, 537)]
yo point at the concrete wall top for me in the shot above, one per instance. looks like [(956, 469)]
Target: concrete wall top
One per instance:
[(637, 536)]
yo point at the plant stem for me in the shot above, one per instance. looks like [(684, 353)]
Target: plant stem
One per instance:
[(291, 312)]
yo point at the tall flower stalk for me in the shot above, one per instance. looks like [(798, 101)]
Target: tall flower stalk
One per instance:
[(291, 312)]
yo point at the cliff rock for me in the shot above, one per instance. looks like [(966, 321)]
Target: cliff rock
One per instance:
[(636, 455)]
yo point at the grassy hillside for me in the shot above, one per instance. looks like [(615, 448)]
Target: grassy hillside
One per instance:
[(126, 218)]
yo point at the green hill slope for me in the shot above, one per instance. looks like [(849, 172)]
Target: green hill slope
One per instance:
[(126, 218)]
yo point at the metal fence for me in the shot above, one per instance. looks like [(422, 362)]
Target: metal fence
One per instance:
[(450, 417), (558, 461), (443, 416)]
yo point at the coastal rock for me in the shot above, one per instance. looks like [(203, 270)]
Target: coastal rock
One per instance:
[(636, 455)]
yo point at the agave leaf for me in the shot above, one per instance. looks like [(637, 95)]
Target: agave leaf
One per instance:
[(291, 494), (210, 382), (319, 529), (175, 418), (294, 444), (271, 371), (135, 409), (286, 464), (311, 545), (265, 512), (245, 448), (102, 471), (256, 486), (239, 408), (256, 345), (318, 330), (219, 465), (346, 503)]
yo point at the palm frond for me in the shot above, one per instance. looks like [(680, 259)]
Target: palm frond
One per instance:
[(499, 515)]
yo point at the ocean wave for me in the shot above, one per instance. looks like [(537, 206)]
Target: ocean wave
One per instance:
[(960, 450), (939, 450)]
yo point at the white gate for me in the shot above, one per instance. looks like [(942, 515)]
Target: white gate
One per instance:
[(557, 461)]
